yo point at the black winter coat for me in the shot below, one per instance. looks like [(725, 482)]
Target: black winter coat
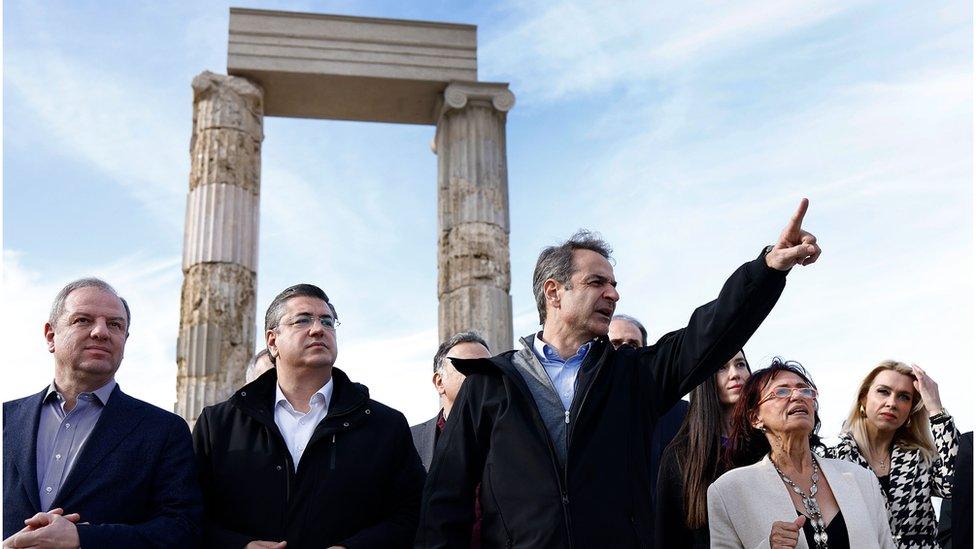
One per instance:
[(496, 436), (358, 483)]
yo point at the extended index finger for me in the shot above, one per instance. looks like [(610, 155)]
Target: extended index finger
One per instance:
[(797, 220)]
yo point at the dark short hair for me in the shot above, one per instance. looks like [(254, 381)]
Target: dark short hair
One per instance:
[(457, 339), (57, 308), (747, 445), (277, 308), (556, 262), (635, 322)]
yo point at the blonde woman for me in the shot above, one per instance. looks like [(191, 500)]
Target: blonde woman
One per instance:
[(898, 428)]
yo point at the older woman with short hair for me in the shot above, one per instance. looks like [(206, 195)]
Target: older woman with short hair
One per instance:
[(898, 429), (784, 496)]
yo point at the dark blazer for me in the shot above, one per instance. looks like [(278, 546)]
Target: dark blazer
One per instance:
[(956, 515), (134, 481), (601, 496), (358, 482), (424, 436)]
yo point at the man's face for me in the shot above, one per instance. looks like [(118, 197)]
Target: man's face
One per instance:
[(448, 380), (305, 337), (623, 332), (587, 306), (88, 340)]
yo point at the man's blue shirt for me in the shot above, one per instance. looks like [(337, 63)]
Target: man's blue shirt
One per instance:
[(561, 372)]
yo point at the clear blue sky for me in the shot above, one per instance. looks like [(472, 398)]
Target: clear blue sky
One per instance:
[(684, 132)]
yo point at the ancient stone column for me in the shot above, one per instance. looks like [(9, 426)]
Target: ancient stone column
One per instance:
[(474, 274), (220, 246)]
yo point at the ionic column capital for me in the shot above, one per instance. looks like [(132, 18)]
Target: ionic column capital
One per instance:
[(458, 95)]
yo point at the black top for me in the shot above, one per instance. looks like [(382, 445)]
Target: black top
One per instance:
[(836, 533), (885, 482), (670, 529)]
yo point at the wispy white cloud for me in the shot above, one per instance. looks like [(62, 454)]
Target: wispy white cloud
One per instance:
[(552, 51), (115, 122)]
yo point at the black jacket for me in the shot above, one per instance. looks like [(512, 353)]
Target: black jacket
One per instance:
[(358, 483), (601, 498)]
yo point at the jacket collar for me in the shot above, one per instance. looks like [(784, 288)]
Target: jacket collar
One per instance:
[(502, 364), (846, 492), (258, 397)]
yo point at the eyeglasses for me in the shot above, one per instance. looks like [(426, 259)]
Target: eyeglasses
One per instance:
[(787, 392), (304, 322)]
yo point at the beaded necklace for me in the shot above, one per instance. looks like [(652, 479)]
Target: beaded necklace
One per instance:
[(810, 504)]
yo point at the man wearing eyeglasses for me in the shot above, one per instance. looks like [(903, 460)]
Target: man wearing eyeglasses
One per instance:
[(302, 455)]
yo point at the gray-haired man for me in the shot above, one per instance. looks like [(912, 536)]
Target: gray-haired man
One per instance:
[(557, 433), (85, 464), (447, 381), (259, 364)]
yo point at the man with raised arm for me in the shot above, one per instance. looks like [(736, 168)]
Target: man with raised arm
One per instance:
[(558, 432)]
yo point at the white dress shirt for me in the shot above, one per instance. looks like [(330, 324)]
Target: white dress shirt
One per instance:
[(297, 427)]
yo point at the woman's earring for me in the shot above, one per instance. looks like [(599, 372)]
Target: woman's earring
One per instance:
[(861, 410)]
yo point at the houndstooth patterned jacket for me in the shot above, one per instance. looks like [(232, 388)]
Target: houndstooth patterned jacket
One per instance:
[(913, 483)]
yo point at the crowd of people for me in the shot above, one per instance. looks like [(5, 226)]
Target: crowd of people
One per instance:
[(579, 438)]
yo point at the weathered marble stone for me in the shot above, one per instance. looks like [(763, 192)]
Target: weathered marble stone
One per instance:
[(217, 309), (474, 273)]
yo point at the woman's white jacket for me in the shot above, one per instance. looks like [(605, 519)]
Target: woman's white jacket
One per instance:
[(743, 504)]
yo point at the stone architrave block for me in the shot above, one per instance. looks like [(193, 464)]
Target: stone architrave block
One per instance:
[(350, 68)]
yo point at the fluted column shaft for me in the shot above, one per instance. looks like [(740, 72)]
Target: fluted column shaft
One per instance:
[(220, 244), (474, 273)]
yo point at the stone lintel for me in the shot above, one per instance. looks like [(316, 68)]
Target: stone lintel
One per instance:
[(350, 68)]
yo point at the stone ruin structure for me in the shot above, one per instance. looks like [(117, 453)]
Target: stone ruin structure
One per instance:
[(342, 68)]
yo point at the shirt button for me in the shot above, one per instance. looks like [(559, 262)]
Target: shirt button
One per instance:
[(67, 425), (57, 456), (48, 489), (300, 448), (301, 422)]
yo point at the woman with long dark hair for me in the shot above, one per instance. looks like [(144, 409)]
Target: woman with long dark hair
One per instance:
[(780, 494), (693, 459)]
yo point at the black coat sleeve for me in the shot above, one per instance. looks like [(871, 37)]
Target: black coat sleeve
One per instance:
[(447, 510), (214, 535), (681, 360), (402, 498)]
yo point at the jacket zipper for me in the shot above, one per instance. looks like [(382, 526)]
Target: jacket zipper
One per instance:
[(333, 453), (569, 438), (586, 393), (561, 480)]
